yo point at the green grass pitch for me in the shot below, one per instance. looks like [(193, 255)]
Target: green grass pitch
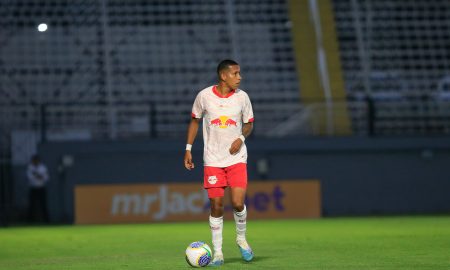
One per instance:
[(328, 243)]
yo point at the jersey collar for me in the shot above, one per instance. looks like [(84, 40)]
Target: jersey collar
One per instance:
[(219, 95)]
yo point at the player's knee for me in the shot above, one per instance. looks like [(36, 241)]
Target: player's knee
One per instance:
[(217, 206), (217, 211), (238, 205)]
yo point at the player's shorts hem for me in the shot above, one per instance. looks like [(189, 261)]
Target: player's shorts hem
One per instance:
[(215, 192)]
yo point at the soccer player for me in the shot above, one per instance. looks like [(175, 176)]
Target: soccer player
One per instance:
[(227, 120)]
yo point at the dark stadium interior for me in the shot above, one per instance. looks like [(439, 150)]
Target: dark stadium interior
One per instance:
[(104, 96)]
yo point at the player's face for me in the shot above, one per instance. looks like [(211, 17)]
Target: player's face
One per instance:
[(233, 76)]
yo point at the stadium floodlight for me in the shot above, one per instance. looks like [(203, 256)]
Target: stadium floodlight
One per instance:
[(42, 27)]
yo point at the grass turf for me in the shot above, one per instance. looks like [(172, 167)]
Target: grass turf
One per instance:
[(328, 243)]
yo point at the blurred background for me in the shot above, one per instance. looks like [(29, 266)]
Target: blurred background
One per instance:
[(353, 93)]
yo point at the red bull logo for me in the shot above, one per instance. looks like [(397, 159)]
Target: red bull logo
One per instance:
[(223, 122)]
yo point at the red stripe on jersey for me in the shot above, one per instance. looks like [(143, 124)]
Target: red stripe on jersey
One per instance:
[(193, 115), (251, 120), (220, 95)]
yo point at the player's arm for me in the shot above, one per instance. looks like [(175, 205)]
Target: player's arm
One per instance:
[(246, 131), (191, 134)]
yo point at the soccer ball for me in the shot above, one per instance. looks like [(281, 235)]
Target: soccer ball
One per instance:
[(198, 254)]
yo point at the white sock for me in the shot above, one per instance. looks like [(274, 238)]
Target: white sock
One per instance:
[(241, 224), (216, 226)]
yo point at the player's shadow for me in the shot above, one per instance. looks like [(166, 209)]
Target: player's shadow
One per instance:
[(240, 260)]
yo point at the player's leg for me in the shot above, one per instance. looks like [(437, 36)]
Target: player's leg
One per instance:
[(237, 176), (240, 218), (214, 182), (239, 211), (216, 224)]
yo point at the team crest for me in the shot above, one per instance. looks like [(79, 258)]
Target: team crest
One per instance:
[(212, 179)]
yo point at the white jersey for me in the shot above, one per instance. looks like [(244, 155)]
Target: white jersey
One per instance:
[(222, 124)]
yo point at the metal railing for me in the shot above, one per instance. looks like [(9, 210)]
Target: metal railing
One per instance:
[(162, 120)]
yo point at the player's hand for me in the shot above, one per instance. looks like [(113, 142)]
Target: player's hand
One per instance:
[(188, 164), (235, 146)]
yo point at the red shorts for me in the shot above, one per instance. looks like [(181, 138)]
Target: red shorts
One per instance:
[(217, 179)]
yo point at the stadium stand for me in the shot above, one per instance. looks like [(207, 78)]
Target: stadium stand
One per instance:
[(130, 69), (107, 53), (397, 53)]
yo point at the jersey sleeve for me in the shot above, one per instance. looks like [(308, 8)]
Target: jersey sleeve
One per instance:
[(197, 108), (247, 111)]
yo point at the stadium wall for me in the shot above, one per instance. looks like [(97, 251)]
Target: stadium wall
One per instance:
[(359, 176)]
